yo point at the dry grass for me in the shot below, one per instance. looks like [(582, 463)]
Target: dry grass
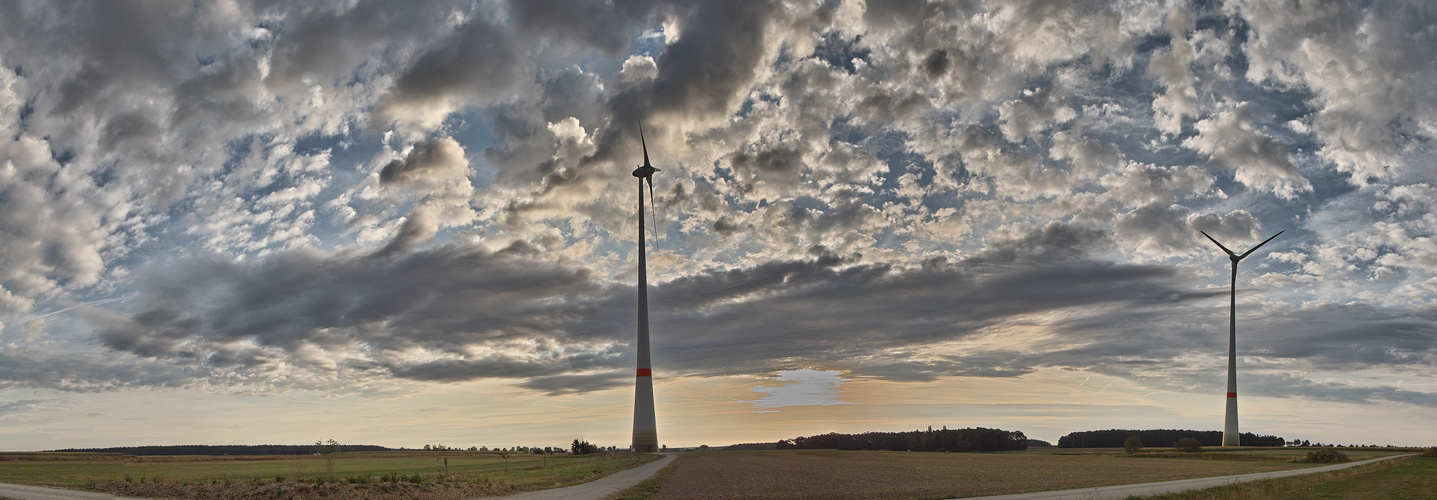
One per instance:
[(382, 475), (1392, 479), (291, 490), (900, 475)]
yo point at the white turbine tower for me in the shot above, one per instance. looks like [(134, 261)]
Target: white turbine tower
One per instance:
[(646, 433), (1230, 435)]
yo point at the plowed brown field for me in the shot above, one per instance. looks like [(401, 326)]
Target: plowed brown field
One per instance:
[(900, 475)]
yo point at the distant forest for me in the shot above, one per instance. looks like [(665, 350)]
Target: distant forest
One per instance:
[(197, 449), (945, 439), (1114, 438)]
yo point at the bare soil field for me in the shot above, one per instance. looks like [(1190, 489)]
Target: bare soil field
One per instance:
[(902, 475)]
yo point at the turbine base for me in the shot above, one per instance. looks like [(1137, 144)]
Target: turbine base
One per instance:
[(1231, 440), (646, 441)]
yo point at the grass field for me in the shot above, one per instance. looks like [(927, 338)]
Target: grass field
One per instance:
[(1404, 478), (367, 475), (903, 475), (710, 475)]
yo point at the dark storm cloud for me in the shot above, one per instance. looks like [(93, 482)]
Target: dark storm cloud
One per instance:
[(1341, 337), (780, 160), (569, 384), (587, 23), (702, 76), (556, 328), (1288, 386), (325, 42), (1278, 346), (437, 159), (715, 60), (572, 92), (480, 63), (501, 316), (937, 62), (31, 367), (442, 298)]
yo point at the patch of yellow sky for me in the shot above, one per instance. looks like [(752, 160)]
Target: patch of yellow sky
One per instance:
[(1044, 404)]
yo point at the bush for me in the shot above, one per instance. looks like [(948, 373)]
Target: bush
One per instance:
[(1133, 445), (1188, 445), (1325, 456), (1431, 452)]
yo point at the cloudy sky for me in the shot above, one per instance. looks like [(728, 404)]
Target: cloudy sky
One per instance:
[(409, 223)]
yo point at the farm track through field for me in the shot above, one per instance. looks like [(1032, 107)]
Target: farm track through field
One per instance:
[(901, 475)]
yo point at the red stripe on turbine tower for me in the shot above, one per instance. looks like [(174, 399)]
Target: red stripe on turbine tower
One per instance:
[(1232, 394), (645, 372)]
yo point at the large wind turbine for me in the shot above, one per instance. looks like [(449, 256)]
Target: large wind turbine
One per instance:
[(646, 433), (1230, 435)]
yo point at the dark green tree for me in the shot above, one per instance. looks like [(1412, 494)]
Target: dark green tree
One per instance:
[(1188, 445), (1133, 445)]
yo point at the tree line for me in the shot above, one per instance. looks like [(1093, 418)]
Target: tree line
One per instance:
[(584, 448), (238, 449), (945, 439), (1115, 438)]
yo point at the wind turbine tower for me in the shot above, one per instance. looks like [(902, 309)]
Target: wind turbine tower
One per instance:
[(1230, 435), (646, 433)]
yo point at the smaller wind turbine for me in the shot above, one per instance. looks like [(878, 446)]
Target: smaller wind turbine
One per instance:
[(646, 434), (1230, 436)]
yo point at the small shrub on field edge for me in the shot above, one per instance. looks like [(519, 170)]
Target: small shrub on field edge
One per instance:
[(1188, 445), (1133, 445), (1431, 452), (1325, 456)]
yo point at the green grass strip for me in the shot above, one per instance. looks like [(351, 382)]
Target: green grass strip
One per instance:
[(1411, 477), (650, 487)]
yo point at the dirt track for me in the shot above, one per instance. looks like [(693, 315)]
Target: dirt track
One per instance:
[(899, 475)]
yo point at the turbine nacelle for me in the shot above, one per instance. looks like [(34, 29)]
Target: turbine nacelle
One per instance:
[(646, 172)]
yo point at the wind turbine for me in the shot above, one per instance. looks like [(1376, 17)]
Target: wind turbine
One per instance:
[(646, 433), (1230, 436)]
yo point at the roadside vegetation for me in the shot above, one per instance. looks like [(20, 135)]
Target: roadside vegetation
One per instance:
[(1324, 456), (1412, 477), (648, 488)]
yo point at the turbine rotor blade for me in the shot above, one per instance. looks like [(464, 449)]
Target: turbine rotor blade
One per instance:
[(1259, 245), (653, 207), (1219, 245), (646, 148)]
